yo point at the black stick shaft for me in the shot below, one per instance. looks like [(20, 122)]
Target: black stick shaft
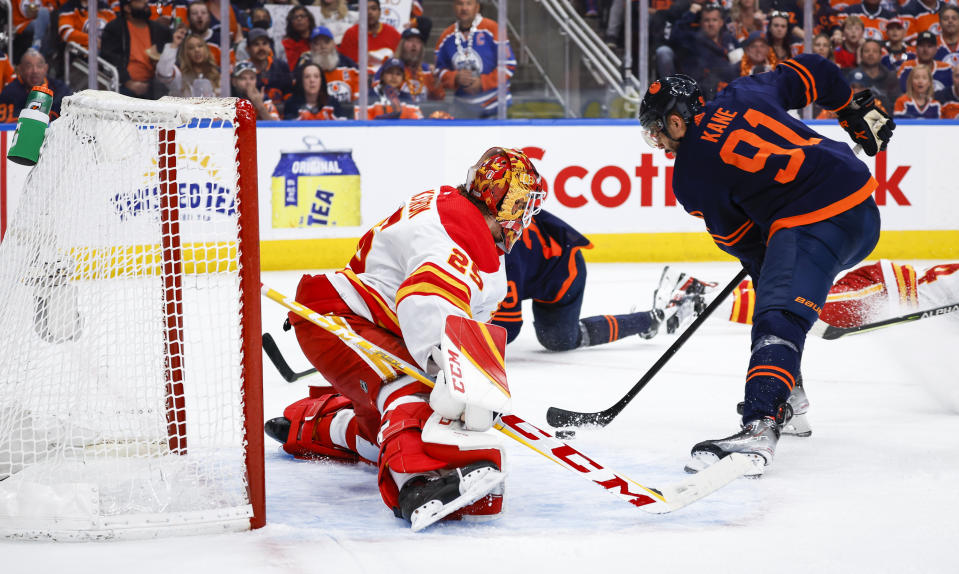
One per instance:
[(559, 418), (831, 332)]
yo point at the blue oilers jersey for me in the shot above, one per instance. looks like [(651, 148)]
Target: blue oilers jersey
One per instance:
[(477, 51), (540, 266), (748, 168)]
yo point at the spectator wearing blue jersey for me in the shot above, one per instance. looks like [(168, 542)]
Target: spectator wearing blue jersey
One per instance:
[(919, 101), (896, 50), (467, 59), (794, 207)]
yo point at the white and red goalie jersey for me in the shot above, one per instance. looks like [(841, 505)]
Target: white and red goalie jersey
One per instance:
[(871, 293), (432, 258)]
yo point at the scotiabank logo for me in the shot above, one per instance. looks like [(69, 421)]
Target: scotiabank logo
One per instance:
[(612, 185)]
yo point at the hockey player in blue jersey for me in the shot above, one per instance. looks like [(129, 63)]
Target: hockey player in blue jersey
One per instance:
[(547, 266), (795, 208)]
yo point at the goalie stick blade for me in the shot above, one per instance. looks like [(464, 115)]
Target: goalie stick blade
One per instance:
[(561, 418), (646, 498), (705, 482)]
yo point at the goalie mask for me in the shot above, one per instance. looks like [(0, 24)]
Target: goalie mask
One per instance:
[(506, 181)]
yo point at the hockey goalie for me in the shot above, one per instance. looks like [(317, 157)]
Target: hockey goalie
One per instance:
[(419, 286)]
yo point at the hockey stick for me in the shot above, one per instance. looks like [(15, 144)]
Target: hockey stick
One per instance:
[(276, 357), (831, 332), (560, 418), (653, 500)]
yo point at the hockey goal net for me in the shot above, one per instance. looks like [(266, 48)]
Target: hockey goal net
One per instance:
[(130, 364)]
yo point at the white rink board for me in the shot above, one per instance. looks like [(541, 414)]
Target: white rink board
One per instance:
[(591, 171), (396, 161)]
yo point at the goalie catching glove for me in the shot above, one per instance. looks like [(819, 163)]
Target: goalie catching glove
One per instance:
[(866, 123), (471, 385)]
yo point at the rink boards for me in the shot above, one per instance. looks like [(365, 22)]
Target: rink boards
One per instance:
[(322, 184)]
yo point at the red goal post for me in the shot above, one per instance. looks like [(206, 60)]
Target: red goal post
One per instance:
[(130, 361)]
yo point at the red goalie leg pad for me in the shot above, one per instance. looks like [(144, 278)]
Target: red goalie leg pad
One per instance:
[(401, 447), (310, 421)]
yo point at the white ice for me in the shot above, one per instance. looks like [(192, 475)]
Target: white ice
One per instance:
[(875, 489)]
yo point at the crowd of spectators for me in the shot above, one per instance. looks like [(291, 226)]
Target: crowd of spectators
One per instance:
[(303, 66), (879, 44)]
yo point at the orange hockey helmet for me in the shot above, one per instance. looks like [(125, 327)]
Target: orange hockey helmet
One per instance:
[(507, 182)]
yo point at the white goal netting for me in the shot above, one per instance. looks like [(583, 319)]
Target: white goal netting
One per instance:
[(122, 382)]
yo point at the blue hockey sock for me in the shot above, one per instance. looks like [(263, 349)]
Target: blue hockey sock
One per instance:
[(773, 372), (608, 328)]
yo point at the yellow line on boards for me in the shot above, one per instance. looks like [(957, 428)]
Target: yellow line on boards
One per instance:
[(334, 253)]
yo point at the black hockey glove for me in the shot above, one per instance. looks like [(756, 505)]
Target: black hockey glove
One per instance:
[(866, 123)]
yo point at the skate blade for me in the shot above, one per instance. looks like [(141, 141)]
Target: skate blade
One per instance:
[(797, 426), (702, 460), (434, 510)]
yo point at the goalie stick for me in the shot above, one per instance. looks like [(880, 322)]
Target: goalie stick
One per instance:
[(276, 357), (561, 418), (652, 500), (831, 332)]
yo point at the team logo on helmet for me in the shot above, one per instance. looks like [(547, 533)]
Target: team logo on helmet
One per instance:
[(654, 87)]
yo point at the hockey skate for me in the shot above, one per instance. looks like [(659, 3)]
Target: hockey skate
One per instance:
[(678, 299), (474, 490), (795, 422), (757, 440)]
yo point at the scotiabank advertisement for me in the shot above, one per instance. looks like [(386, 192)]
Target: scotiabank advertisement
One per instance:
[(327, 180), (336, 181)]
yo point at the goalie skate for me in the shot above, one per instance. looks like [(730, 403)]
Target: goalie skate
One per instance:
[(475, 489)]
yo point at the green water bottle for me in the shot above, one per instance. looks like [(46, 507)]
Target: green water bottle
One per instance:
[(31, 125)]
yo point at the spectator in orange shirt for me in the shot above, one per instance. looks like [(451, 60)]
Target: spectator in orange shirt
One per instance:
[(243, 82), (309, 99), (299, 26), (74, 24), (7, 74), (421, 81), (342, 77), (31, 20), (381, 39), (127, 42)]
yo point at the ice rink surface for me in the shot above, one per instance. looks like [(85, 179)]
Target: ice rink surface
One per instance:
[(874, 489)]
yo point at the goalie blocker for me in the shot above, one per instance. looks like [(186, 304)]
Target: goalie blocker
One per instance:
[(436, 459)]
